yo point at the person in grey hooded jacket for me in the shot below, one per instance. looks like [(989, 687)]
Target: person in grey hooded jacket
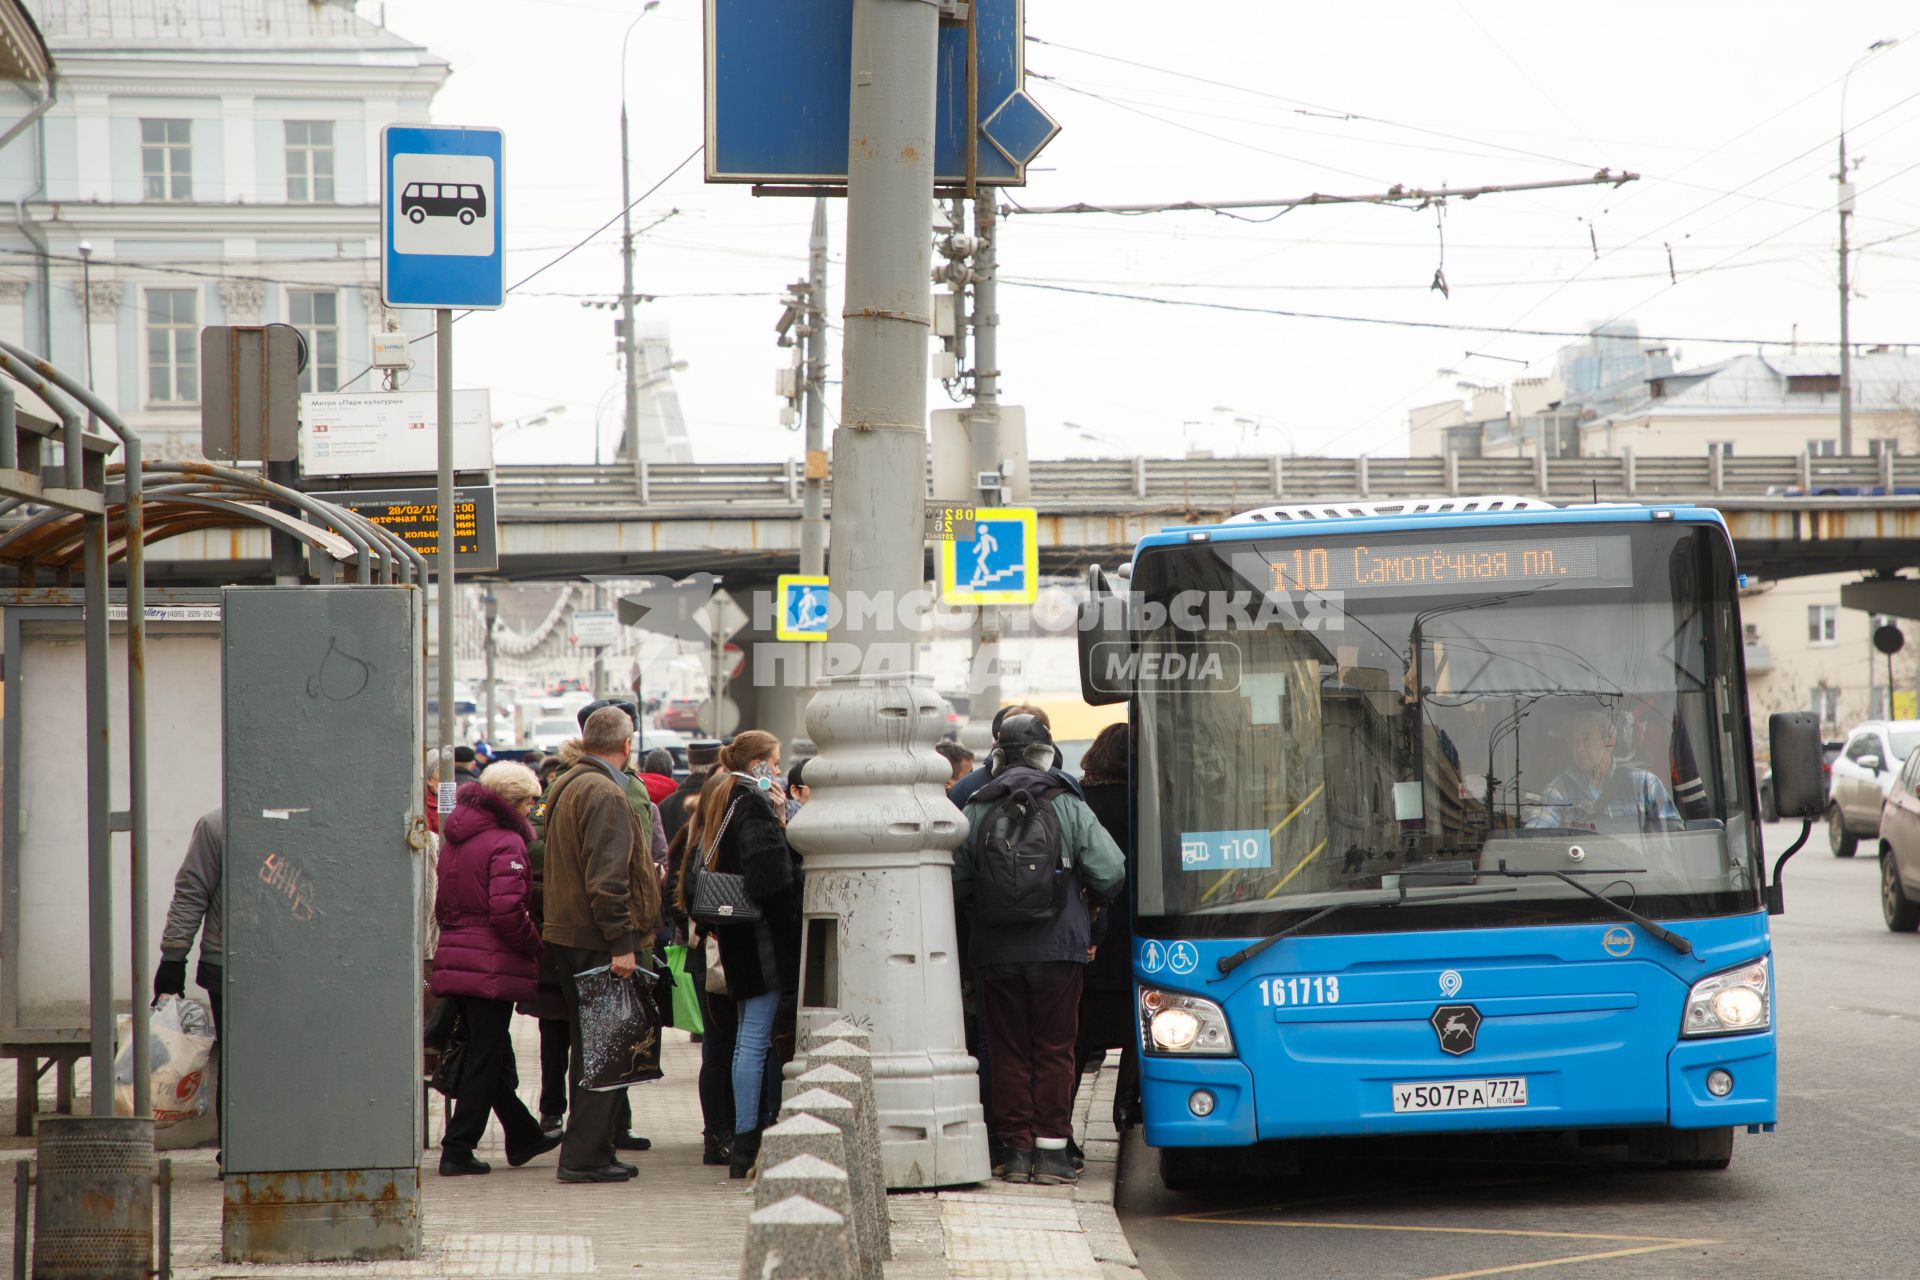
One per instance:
[(1028, 975)]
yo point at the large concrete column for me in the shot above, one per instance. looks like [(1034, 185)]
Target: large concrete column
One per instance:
[(879, 834)]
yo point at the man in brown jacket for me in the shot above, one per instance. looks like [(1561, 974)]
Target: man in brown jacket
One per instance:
[(602, 899)]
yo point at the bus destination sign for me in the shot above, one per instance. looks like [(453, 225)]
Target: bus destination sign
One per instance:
[(1434, 566)]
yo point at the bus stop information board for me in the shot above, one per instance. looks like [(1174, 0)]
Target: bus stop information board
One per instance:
[(414, 514)]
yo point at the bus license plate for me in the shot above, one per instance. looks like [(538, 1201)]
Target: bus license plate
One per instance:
[(1460, 1095)]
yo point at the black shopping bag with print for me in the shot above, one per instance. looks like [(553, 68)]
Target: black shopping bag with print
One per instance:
[(620, 1021)]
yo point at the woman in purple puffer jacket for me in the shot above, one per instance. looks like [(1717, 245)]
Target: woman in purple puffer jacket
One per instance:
[(488, 958)]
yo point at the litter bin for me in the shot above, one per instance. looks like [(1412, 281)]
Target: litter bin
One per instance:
[(93, 1211)]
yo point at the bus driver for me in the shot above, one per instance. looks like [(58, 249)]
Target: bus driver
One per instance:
[(1595, 793)]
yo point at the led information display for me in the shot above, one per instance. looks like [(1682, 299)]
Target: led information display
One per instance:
[(1399, 565), (414, 514)]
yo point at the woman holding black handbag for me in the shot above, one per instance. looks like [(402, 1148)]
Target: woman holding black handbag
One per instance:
[(746, 891)]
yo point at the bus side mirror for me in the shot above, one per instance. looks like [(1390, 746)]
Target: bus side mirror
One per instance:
[(1794, 737), (1107, 661), (1797, 788)]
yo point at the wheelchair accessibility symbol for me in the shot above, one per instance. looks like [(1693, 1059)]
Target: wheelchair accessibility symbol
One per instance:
[(1183, 958)]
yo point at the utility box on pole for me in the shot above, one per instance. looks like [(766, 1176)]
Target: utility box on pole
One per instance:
[(322, 886)]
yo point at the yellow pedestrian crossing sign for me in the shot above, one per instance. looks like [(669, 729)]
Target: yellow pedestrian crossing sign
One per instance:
[(1000, 564), (802, 598)]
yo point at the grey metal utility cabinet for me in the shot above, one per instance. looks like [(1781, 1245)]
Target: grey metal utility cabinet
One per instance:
[(322, 1065)]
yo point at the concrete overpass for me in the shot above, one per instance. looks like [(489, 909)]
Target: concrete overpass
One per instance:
[(1858, 514), (744, 517)]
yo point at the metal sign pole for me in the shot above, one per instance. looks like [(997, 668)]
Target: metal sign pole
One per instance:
[(443, 387)]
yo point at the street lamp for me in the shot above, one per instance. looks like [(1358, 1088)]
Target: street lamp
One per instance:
[(627, 343), (541, 419), (1095, 437), (1846, 289), (1256, 423)]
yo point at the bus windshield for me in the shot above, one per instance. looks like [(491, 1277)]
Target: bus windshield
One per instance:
[(1322, 718)]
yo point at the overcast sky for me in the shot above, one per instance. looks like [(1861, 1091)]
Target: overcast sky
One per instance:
[(1728, 110)]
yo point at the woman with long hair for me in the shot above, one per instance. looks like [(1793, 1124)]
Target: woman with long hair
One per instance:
[(741, 833), (488, 958), (716, 1006)]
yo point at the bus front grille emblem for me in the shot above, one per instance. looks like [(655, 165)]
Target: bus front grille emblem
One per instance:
[(1458, 1026)]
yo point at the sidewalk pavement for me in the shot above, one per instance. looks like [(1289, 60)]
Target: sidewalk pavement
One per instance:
[(679, 1218)]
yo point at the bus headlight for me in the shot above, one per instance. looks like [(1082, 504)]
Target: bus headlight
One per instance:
[(1736, 1000), (1174, 1023)]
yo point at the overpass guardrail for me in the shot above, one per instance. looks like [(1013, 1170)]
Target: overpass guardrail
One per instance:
[(553, 491)]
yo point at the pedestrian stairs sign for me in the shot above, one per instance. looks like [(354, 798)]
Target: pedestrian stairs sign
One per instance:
[(803, 607), (1000, 564)]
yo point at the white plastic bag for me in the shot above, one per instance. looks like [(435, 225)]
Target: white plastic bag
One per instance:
[(180, 1044)]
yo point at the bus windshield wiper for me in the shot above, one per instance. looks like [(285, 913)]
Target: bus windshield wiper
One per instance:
[(1227, 964), (1665, 935)]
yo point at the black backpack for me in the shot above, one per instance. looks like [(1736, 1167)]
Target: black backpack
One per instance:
[(1023, 873)]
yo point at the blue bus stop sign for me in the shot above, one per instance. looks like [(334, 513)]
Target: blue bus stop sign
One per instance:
[(778, 73), (440, 218)]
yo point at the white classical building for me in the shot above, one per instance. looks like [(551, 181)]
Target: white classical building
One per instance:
[(202, 162)]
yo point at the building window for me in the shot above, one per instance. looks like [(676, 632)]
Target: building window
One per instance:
[(1823, 448), (1823, 624), (166, 159), (310, 161), (1825, 384), (1878, 447), (1824, 702), (173, 346), (1722, 447), (316, 313)]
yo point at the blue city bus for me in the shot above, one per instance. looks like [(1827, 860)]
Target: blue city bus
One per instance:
[(1445, 823)]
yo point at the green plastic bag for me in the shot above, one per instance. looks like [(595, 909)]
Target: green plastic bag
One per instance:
[(686, 996)]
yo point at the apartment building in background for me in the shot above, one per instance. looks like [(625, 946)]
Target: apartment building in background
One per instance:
[(1610, 393), (219, 163)]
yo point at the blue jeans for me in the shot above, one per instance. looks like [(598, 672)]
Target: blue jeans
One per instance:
[(753, 1041)]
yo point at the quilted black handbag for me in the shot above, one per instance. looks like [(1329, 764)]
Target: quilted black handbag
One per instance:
[(720, 897)]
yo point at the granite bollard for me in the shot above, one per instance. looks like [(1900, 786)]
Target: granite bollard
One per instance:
[(806, 1135), (870, 1219), (797, 1239), (825, 1184), (841, 1111)]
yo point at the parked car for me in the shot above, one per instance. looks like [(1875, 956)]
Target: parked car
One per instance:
[(682, 715), (1769, 811), (1900, 850), (1862, 778)]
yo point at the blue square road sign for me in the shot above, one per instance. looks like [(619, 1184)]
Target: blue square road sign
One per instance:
[(1000, 564), (803, 603), (441, 217)]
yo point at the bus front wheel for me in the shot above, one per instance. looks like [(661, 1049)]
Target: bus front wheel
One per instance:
[(1682, 1148), (1188, 1168)]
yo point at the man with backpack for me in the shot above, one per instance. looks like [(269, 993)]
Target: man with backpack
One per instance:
[(1033, 856)]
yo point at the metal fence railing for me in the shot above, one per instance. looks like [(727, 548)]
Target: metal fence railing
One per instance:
[(1213, 483)]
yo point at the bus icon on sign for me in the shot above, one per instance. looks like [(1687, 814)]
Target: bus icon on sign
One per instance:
[(423, 200)]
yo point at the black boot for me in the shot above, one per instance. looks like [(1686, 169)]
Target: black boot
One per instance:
[(746, 1150), (457, 1164), (718, 1149)]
